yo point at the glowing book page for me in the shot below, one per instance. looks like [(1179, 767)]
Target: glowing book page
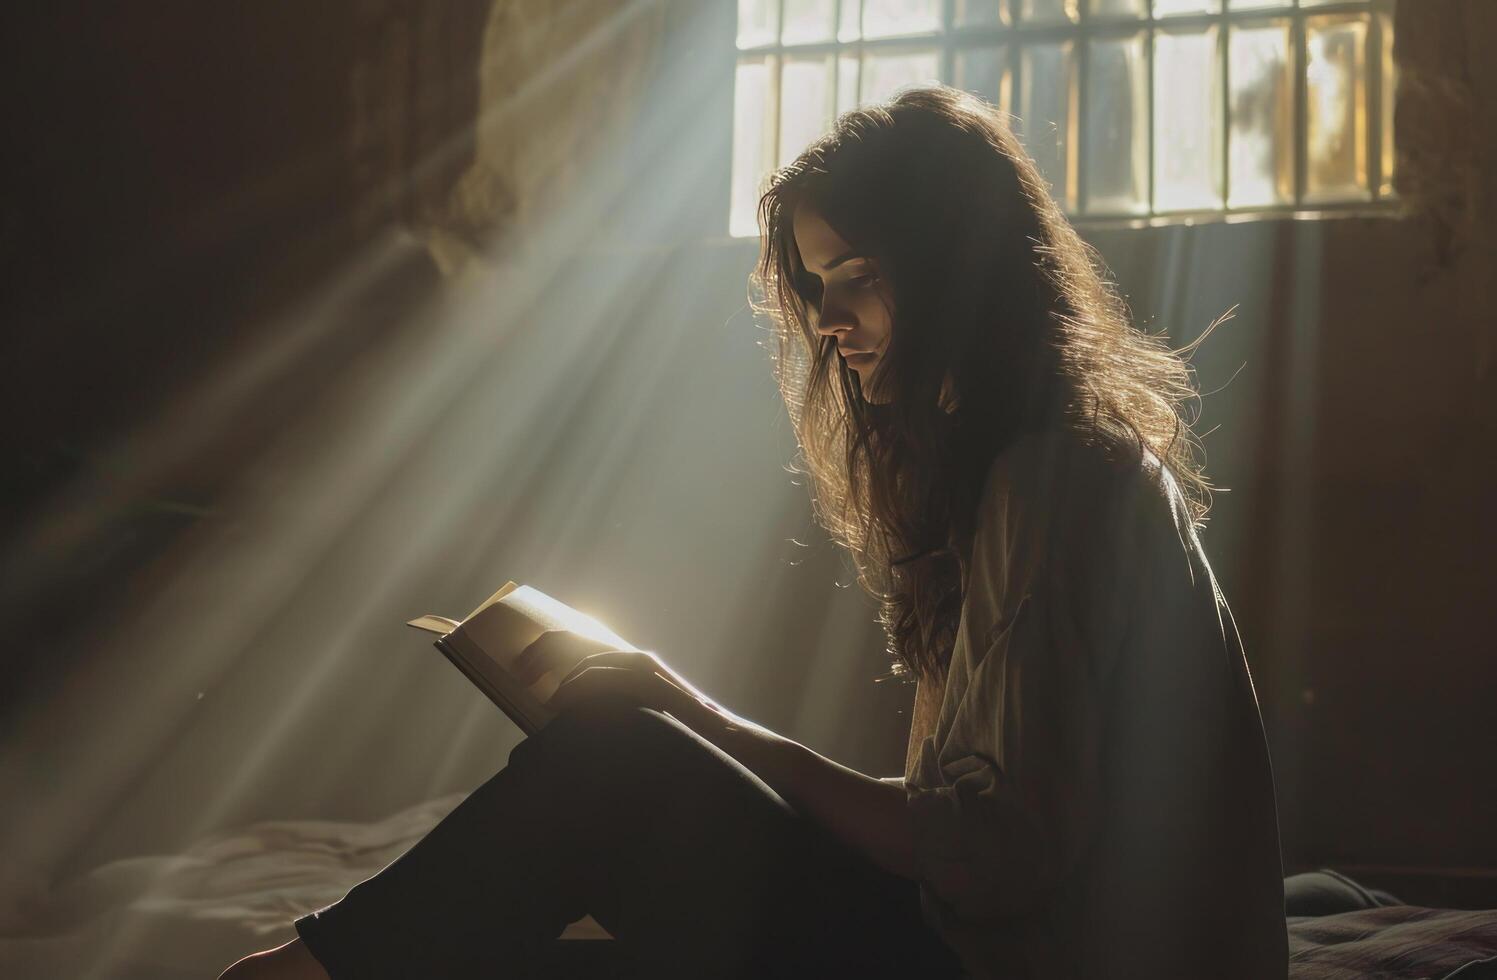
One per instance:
[(485, 644)]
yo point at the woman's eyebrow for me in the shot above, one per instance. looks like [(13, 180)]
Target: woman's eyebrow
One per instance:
[(844, 257)]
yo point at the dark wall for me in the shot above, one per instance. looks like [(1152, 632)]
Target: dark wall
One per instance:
[(179, 176), (171, 170)]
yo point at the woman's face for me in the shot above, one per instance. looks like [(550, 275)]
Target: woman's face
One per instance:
[(856, 303)]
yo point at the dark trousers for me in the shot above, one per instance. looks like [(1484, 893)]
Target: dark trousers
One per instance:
[(692, 862)]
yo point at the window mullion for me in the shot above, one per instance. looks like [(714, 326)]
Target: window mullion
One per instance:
[(776, 76), (1224, 51), (1078, 124), (948, 51), (1373, 100), (1151, 210), (1300, 55)]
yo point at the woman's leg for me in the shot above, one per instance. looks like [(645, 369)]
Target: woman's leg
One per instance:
[(1327, 892), (692, 862), (290, 961)]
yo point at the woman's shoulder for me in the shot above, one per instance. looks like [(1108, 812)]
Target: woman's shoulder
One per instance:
[(1062, 490), (1061, 467)]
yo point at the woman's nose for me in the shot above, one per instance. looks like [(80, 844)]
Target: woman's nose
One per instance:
[(833, 320)]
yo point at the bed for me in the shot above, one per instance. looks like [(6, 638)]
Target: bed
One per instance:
[(188, 915)]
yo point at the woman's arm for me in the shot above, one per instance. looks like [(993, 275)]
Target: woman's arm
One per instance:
[(869, 814)]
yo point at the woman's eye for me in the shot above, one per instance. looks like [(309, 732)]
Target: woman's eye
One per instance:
[(863, 280)]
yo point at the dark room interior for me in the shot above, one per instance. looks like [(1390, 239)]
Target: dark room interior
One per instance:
[(324, 317)]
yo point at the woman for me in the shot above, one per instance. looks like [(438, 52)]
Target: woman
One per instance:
[(1087, 791)]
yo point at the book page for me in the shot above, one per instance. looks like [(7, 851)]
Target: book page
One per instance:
[(506, 627), (487, 642), (439, 625), (504, 590), (523, 707), (553, 614)]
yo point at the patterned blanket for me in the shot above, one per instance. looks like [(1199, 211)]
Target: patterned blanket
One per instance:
[(1398, 942)]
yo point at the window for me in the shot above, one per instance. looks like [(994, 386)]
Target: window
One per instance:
[(1132, 108)]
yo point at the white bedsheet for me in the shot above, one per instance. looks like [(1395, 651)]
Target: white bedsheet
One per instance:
[(191, 914)]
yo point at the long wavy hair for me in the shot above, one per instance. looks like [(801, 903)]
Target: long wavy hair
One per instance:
[(994, 294)]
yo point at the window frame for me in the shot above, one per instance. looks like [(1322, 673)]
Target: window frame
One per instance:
[(1013, 35)]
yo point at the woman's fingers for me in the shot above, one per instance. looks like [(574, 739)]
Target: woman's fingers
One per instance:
[(552, 649), (645, 662), (634, 676), (592, 683), (531, 662), (625, 680), (631, 659)]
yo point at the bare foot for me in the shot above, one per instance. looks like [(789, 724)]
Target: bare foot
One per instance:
[(292, 961)]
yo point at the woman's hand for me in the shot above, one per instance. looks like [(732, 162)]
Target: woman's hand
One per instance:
[(641, 678), (635, 676)]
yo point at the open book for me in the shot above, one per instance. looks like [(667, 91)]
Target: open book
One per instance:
[(485, 644)]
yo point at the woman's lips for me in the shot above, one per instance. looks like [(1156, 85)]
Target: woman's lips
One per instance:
[(855, 360)]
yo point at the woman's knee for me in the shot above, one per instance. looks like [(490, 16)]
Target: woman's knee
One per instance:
[(292, 961), (602, 732), (1328, 892)]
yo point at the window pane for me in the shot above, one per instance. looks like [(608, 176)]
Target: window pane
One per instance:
[(808, 21), (1187, 121), (1164, 8), (1336, 107), (849, 28), (806, 95), (1258, 4), (975, 13), (1118, 8), (984, 72), (884, 73), (1046, 86), (847, 81), (891, 18), (758, 22), (1117, 126), (1261, 158), (753, 140), (1047, 10)]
